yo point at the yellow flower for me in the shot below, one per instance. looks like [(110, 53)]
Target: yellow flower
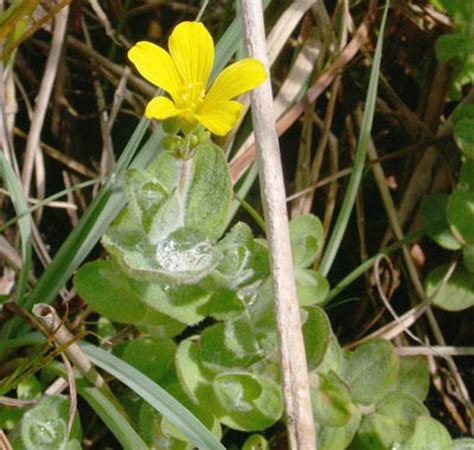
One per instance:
[(184, 73)]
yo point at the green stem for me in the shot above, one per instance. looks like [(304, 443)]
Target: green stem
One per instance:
[(255, 215)]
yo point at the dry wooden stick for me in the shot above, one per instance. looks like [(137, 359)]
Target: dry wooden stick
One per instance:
[(435, 350), (4, 442), (293, 361), (33, 142)]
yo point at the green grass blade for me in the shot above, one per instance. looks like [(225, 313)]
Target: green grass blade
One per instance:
[(16, 194), (156, 396), (113, 419), (340, 227)]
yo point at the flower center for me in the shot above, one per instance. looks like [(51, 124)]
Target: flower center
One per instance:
[(191, 95)]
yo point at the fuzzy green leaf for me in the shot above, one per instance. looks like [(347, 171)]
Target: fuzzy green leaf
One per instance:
[(311, 287), (338, 438), (307, 239), (316, 334), (331, 400), (194, 377), (371, 370), (203, 185), (429, 434), (152, 357), (251, 402), (109, 292), (392, 421), (414, 377)]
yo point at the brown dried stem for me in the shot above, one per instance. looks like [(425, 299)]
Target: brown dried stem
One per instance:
[(293, 361)]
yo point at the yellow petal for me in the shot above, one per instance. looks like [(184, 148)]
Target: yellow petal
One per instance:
[(236, 79), (156, 65), (192, 49), (221, 117), (161, 108)]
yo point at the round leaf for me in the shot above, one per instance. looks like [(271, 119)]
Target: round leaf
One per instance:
[(108, 291), (456, 294), (338, 438), (433, 210), (371, 370), (468, 258), (251, 402), (461, 214), (429, 434), (331, 400), (316, 334), (182, 303), (307, 238), (464, 136), (392, 421), (153, 357), (195, 379), (414, 377), (311, 287), (256, 442), (466, 177), (232, 344)]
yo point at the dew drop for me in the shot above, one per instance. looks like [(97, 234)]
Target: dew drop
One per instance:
[(184, 250)]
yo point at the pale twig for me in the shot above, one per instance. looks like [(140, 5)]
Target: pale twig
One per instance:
[(435, 350), (32, 143), (15, 402), (107, 160), (109, 30), (58, 386), (73, 216), (293, 362), (280, 33), (52, 204), (119, 96), (6, 141), (4, 442), (50, 320)]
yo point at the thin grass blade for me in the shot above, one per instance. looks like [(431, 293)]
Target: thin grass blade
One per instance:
[(340, 227), (16, 194), (156, 396)]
